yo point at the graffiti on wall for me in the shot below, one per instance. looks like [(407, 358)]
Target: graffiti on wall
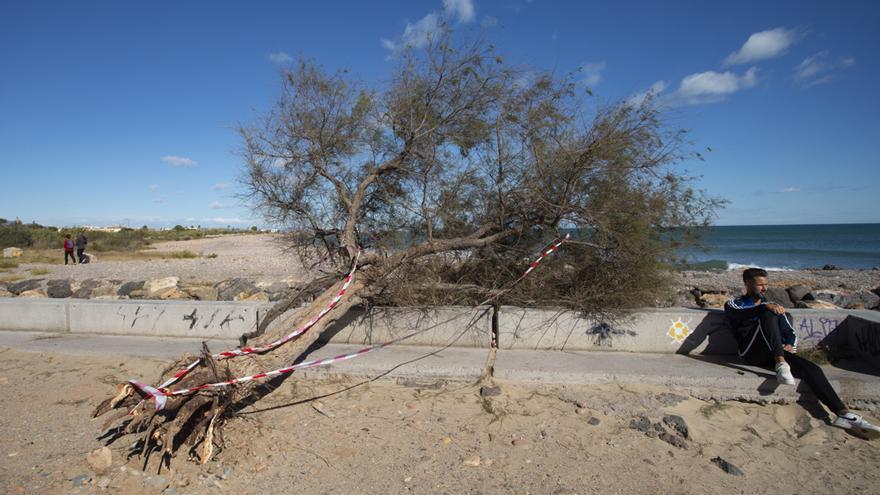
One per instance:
[(815, 329), (679, 330)]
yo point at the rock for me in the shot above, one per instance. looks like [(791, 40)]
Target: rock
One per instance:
[(229, 290), (712, 300), (127, 288), (12, 252), (25, 285), (201, 292), (727, 467), (85, 289), (100, 460), (34, 293), (445, 440), (779, 296), (104, 291), (170, 293), (58, 289), (103, 482), (472, 461), (5, 293), (641, 423), (593, 421), (153, 287), (81, 480), (489, 391), (258, 297), (807, 304), (157, 482), (797, 292), (831, 267), (677, 423), (674, 440), (868, 298), (137, 294)]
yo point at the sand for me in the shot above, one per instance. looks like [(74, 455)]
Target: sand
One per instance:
[(426, 437)]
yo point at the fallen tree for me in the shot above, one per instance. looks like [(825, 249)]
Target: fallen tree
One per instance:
[(440, 184)]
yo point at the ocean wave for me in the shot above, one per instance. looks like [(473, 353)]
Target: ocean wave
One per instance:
[(739, 266)]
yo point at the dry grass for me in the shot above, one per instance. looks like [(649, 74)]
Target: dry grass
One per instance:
[(39, 271), (12, 277)]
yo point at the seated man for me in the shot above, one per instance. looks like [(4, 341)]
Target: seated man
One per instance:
[(766, 338)]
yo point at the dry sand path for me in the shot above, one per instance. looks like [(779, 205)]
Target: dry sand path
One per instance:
[(385, 437)]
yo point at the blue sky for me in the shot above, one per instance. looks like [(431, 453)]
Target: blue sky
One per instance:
[(123, 112)]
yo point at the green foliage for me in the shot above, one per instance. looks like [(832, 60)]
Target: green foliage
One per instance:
[(19, 236), (184, 255)]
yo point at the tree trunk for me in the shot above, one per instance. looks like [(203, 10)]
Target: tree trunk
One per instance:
[(196, 420)]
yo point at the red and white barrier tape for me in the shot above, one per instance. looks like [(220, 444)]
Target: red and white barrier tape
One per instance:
[(161, 394), (283, 340)]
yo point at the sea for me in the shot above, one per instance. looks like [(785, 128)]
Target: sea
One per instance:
[(787, 247)]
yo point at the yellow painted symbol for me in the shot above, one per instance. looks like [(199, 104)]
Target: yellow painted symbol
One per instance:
[(679, 330)]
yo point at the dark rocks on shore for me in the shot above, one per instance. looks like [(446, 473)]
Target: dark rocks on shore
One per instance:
[(127, 288), (831, 267), (25, 285), (235, 288), (58, 289), (727, 467), (86, 288), (779, 296), (797, 292)]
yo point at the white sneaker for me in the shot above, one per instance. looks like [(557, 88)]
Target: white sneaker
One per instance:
[(857, 423), (783, 374)]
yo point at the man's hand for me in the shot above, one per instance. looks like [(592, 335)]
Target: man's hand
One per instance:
[(789, 348), (776, 308)]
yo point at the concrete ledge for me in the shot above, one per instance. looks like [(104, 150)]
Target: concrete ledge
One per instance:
[(678, 330), (703, 377), (199, 319), (35, 315), (443, 325)]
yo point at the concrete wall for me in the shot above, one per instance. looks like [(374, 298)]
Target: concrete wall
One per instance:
[(201, 319), (679, 330), (444, 325), (665, 330)]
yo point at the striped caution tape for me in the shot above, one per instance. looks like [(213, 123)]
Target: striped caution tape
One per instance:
[(161, 393)]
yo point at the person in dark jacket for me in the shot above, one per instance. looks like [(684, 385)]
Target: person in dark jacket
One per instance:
[(68, 249), (766, 338), (81, 242)]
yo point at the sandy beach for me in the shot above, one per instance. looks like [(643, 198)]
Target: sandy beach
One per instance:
[(426, 437)]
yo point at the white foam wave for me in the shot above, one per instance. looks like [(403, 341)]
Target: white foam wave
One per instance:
[(738, 267)]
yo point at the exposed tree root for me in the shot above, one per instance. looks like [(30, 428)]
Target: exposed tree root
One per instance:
[(194, 422)]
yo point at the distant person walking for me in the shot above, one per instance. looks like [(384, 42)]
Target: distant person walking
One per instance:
[(68, 249), (81, 242)]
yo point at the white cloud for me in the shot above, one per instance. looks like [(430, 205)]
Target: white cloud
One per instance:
[(418, 34), (820, 68), (153, 187), (592, 73), (637, 99), (216, 205), (462, 9), (790, 189), (711, 86), (280, 58), (221, 185), (763, 45), (489, 21), (226, 220), (179, 161), (161, 199)]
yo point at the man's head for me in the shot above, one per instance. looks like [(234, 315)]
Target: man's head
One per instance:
[(67, 236), (756, 281)]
